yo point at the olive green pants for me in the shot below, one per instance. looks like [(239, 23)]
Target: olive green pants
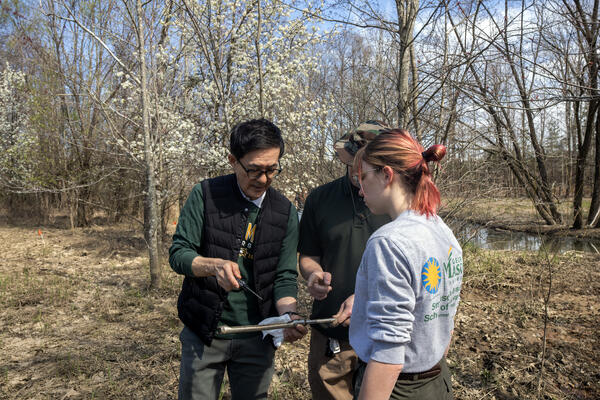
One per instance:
[(438, 387)]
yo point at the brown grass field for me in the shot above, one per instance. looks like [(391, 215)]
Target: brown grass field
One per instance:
[(79, 323), (516, 214)]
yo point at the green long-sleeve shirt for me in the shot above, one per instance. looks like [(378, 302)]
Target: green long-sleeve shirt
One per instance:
[(241, 308)]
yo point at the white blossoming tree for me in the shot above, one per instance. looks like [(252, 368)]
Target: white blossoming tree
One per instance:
[(254, 59), (165, 122), (16, 141)]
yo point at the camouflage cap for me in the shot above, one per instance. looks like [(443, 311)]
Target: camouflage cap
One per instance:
[(347, 146)]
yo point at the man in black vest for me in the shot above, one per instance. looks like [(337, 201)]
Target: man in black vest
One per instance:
[(235, 227)]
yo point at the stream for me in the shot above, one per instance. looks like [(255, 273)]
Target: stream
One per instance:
[(493, 239)]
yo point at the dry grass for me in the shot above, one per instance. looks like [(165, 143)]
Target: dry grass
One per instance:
[(79, 323), (514, 215), (507, 209)]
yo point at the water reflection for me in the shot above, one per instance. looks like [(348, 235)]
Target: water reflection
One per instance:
[(503, 240), (493, 239)]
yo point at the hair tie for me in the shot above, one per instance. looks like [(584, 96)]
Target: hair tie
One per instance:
[(423, 155)]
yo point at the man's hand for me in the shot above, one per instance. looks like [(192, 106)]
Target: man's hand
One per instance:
[(345, 312), (292, 334), (226, 274), (288, 305), (225, 271), (319, 284)]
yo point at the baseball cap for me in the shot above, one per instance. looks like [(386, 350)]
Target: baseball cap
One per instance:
[(347, 146)]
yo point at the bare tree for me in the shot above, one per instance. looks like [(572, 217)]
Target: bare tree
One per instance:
[(150, 206), (585, 21), (149, 159), (571, 38), (491, 94)]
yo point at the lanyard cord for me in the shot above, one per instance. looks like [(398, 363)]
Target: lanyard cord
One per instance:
[(362, 216)]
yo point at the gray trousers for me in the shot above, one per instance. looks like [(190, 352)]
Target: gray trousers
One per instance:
[(249, 364)]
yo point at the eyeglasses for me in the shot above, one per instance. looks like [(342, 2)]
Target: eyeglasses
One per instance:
[(358, 180), (257, 173)]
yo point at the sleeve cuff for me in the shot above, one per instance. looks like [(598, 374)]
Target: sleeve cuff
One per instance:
[(285, 291), (186, 263), (388, 353)]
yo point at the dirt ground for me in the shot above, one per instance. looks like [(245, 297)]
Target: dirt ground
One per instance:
[(79, 323)]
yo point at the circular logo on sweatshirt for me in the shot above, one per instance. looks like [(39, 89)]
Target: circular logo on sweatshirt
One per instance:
[(431, 274)]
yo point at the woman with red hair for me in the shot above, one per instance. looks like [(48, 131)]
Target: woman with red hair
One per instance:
[(408, 284)]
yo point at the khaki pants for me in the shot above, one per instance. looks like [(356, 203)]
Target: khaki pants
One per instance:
[(330, 378)]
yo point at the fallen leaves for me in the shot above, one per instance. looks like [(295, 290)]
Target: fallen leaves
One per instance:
[(78, 327)]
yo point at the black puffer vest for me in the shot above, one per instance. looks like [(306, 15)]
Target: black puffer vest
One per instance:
[(201, 300)]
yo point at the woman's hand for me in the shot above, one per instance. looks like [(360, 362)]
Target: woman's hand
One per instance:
[(345, 312)]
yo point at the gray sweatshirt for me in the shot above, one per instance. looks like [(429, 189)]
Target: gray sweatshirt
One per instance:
[(407, 292)]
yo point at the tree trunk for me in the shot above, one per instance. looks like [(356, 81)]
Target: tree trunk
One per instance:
[(569, 161), (150, 207), (582, 153), (407, 12), (595, 204), (587, 28), (414, 93), (261, 108)]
